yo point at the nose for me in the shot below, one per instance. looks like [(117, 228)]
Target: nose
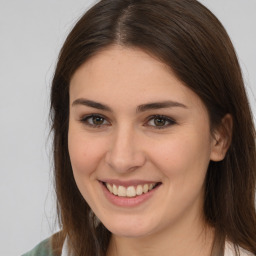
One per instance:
[(125, 152)]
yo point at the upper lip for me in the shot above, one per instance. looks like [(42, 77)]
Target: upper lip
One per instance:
[(127, 183)]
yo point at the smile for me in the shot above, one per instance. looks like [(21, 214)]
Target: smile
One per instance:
[(130, 191)]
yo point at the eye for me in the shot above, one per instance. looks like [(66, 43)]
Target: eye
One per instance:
[(94, 120), (160, 122)]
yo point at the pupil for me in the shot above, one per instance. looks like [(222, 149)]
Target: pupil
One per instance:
[(97, 120), (159, 122)]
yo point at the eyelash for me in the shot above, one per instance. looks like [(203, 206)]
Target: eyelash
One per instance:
[(85, 120), (166, 119)]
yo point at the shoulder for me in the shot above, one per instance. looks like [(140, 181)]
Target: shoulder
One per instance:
[(230, 250), (42, 249)]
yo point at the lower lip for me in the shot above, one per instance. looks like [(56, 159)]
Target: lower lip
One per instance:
[(128, 201)]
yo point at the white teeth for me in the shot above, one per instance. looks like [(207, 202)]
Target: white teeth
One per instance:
[(121, 191), (145, 188), (114, 190), (109, 187), (139, 190), (130, 191)]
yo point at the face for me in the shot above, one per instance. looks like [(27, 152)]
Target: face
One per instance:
[(139, 143)]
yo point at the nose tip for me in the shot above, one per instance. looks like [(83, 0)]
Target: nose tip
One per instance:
[(125, 154), (124, 163)]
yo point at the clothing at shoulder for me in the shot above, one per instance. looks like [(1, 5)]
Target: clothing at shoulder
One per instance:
[(230, 251), (42, 249)]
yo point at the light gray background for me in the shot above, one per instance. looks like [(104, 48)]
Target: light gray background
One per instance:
[(31, 34)]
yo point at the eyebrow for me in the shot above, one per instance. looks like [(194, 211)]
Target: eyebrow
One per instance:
[(159, 105), (92, 104), (140, 108)]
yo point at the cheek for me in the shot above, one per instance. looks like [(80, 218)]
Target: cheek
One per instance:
[(184, 154), (85, 153), (183, 162)]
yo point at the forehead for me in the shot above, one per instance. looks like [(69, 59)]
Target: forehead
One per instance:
[(121, 61), (121, 74)]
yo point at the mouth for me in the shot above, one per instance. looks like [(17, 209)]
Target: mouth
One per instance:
[(130, 191)]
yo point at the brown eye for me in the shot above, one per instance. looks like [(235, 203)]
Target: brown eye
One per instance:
[(160, 122), (97, 120), (94, 121)]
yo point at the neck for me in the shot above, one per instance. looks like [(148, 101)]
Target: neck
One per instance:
[(194, 239)]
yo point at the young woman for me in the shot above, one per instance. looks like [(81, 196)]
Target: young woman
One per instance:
[(154, 143)]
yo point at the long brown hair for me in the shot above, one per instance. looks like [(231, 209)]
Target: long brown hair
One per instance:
[(188, 38)]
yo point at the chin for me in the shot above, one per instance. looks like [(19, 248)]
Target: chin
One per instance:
[(129, 232), (128, 228)]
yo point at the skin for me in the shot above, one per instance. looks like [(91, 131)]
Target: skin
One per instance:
[(128, 145)]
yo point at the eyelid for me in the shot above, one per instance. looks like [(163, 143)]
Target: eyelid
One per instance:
[(170, 121), (84, 119)]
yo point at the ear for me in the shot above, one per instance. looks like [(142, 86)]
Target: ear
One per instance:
[(222, 136)]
